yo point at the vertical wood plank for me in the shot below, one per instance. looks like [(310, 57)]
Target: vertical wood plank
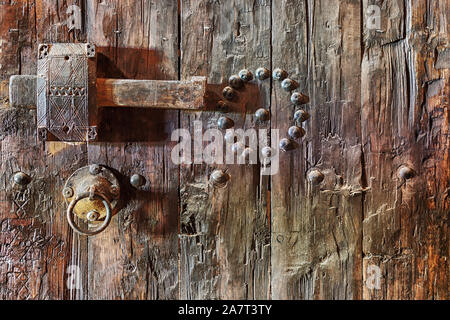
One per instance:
[(137, 256), (316, 229), (224, 233), (405, 85)]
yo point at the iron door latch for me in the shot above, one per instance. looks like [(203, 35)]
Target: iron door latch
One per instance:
[(67, 92)]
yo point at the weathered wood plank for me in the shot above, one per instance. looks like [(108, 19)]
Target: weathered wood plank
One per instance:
[(224, 240), (137, 256), (316, 229), (189, 94), (405, 123)]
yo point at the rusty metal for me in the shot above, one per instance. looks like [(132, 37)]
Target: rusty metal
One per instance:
[(279, 74), (223, 106), (301, 116), (262, 115), (21, 179), (228, 93), (296, 132), (92, 196), (219, 178), (225, 123), (298, 98), (236, 82), (286, 144), (289, 84), (90, 189), (315, 176), (262, 74), (246, 75)]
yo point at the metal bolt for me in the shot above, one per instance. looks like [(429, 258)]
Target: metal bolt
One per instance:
[(262, 115), (219, 178), (301, 115), (289, 84), (115, 190), (92, 216), (246, 75), (235, 82), (222, 106), (266, 152), (94, 169), (296, 132), (262, 73), (228, 93), (67, 192), (315, 176), (225, 123), (230, 137), (286, 144), (246, 154), (21, 179), (406, 173), (297, 98), (137, 180), (237, 147), (279, 74)]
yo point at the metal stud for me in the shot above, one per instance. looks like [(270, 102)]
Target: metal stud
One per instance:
[(219, 178), (222, 106), (262, 115), (92, 216), (246, 75), (228, 93), (296, 132), (406, 173), (289, 84), (237, 148), (262, 74), (266, 152), (137, 180), (235, 82), (279, 74), (22, 179), (247, 154), (301, 115), (94, 169), (286, 144), (297, 98), (225, 123), (315, 176)]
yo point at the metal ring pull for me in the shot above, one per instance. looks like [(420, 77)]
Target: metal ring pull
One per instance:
[(84, 195)]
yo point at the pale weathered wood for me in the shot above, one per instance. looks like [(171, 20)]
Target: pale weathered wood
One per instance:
[(316, 229), (137, 256), (224, 241), (189, 94)]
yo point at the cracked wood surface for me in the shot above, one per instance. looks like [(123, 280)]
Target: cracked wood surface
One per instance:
[(378, 101)]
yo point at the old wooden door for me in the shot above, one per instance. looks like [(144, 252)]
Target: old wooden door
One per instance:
[(377, 74)]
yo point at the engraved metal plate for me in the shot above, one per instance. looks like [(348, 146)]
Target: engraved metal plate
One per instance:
[(66, 92)]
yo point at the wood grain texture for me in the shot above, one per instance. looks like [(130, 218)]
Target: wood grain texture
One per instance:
[(224, 240), (378, 101), (189, 94), (137, 256), (405, 123), (316, 229)]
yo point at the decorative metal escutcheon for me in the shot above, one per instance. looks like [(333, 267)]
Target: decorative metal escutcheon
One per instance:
[(65, 88), (92, 194)]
